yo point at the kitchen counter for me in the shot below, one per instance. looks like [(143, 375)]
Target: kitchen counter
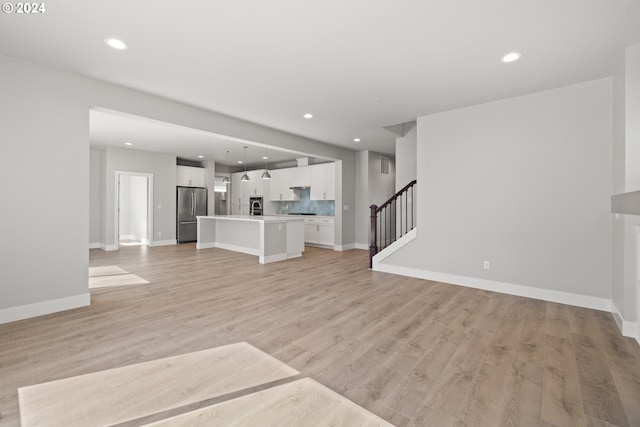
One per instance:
[(271, 238)]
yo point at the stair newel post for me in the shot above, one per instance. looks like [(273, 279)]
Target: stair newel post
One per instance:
[(373, 234)]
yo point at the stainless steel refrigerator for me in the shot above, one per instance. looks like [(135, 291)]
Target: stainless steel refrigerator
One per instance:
[(191, 202)]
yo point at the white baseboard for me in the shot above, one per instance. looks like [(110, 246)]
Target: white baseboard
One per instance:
[(550, 295), (205, 245), (110, 247), (236, 248), (163, 242), (627, 328), (272, 258), (27, 311), (342, 248), (363, 246), (96, 246)]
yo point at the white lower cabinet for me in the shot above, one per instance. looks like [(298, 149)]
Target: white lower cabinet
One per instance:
[(319, 231)]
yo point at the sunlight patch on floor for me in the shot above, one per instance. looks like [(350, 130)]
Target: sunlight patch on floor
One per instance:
[(111, 276), (131, 392)]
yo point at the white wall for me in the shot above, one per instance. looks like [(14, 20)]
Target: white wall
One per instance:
[(626, 228), (44, 134), (163, 168), (58, 152), (362, 199), (381, 187), (523, 183), (95, 174), (406, 162), (632, 121), (373, 188)]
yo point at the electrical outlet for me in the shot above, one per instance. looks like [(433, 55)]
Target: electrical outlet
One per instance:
[(159, 233), (159, 206), (345, 208), (486, 265)]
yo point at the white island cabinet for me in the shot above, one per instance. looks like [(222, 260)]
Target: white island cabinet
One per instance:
[(271, 238)]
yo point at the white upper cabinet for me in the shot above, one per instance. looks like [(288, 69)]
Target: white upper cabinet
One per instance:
[(239, 189), (301, 176), (323, 181), (281, 182), (257, 185), (188, 176)]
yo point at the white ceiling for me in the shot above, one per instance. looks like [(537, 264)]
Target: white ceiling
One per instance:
[(113, 129), (272, 61)]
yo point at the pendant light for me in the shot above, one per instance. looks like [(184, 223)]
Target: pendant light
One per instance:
[(226, 178), (266, 174), (245, 177)]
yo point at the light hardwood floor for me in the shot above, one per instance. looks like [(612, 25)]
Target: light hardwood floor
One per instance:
[(411, 351)]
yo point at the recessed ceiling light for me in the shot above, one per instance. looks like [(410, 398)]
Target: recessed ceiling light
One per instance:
[(376, 98), (201, 157), (264, 158), (128, 143), (308, 116), (116, 44), (356, 139), (510, 57), (240, 161)]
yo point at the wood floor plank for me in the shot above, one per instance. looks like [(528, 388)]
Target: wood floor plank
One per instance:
[(413, 352), (562, 402)]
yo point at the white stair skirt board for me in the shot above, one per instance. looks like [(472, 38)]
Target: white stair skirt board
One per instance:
[(299, 403), (27, 311), (392, 248), (131, 392)]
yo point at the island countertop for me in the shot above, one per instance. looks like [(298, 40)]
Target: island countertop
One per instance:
[(271, 238), (257, 218)]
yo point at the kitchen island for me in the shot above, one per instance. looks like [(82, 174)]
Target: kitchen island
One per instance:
[(271, 238)]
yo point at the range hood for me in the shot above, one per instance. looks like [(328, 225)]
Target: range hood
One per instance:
[(300, 187)]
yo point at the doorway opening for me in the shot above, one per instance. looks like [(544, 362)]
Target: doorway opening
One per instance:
[(134, 207)]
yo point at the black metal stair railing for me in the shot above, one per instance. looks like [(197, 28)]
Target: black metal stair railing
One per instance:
[(392, 219)]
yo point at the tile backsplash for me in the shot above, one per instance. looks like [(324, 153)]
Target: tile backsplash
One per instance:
[(305, 204)]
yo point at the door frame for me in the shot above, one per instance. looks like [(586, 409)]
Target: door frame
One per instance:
[(116, 213)]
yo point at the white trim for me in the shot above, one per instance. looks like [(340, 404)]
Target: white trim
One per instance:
[(363, 246), (236, 248), (163, 242), (341, 248), (205, 245), (561, 297), (96, 246), (110, 247), (27, 311), (551, 295), (272, 258), (627, 328), (395, 246)]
